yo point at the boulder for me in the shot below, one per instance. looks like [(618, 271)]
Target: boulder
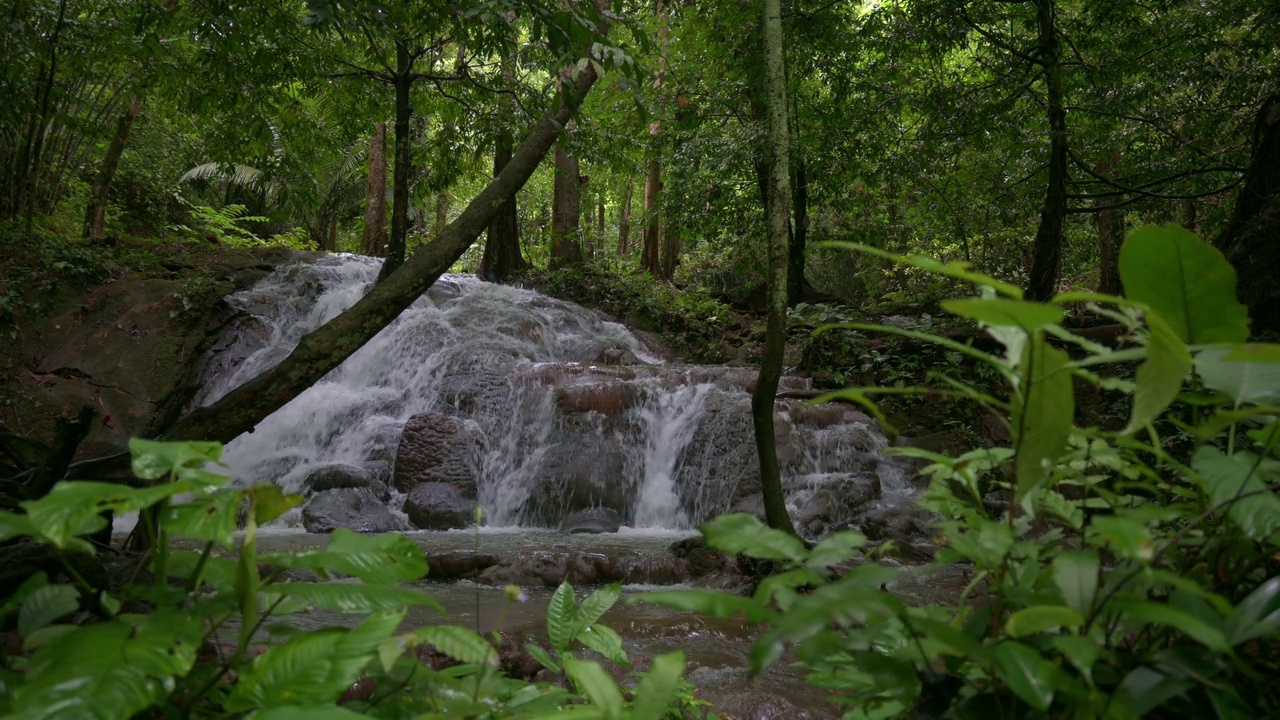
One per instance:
[(458, 564), (610, 397), (337, 476), (592, 521), (830, 502), (437, 448), (356, 509), (582, 472), (439, 506), (897, 518)]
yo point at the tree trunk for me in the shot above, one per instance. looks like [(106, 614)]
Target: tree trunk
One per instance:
[(404, 159), (1110, 234), (649, 252), (670, 249), (443, 200), (624, 223), (374, 240), (799, 236), (502, 260), (1251, 240), (96, 214), (325, 348), (566, 208), (330, 243), (600, 215), (762, 399), (1047, 251)]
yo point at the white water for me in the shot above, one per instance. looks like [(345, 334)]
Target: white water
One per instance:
[(669, 452)]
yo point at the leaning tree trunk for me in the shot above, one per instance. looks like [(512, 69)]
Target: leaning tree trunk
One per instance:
[(323, 349), (502, 259), (1047, 251), (374, 240), (1251, 240), (96, 214), (624, 223), (566, 208), (799, 236), (402, 80), (762, 399), (1110, 224)]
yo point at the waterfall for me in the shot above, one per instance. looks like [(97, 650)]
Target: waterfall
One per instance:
[(534, 407)]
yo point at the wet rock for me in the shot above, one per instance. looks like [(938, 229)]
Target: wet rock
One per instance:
[(701, 560), (458, 564), (617, 355), (581, 472), (830, 502), (609, 398), (439, 506), (897, 518), (444, 290), (593, 521), (337, 476), (437, 448), (357, 509), (549, 568)]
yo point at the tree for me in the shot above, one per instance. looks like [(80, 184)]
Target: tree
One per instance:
[(96, 212), (502, 259), (374, 240), (779, 151), (566, 210)]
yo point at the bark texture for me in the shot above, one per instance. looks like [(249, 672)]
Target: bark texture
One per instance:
[(566, 209), (402, 81), (1110, 224), (502, 259), (762, 399), (96, 214), (650, 252), (799, 235), (1047, 251), (374, 241), (326, 347), (624, 223)]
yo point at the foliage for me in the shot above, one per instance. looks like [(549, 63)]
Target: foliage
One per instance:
[(1113, 574), (195, 633)]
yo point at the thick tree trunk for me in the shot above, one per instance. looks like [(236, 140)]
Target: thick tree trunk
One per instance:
[(374, 241), (670, 249), (402, 80), (566, 207), (1110, 225), (1251, 240), (624, 223), (325, 348), (799, 236), (762, 399), (96, 214), (1047, 251), (502, 259), (650, 251)]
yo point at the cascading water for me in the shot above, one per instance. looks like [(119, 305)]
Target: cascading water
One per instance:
[(534, 407)]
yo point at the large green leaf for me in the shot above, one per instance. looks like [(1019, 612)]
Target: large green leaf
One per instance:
[(353, 598), (1258, 615), (1187, 281), (1245, 373), (1160, 377), (45, 605), (835, 549), (715, 603), (1235, 481), (1027, 674), (316, 712), (385, 559), (1001, 312), (211, 519), (561, 616), (74, 508), (458, 643), (744, 533), (1043, 414), (13, 525), (595, 606), (314, 668), (1042, 618), (604, 640), (1075, 572), (657, 690), (592, 681), (1148, 688), (154, 459), (1138, 613)]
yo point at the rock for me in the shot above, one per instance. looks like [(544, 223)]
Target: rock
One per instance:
[(457, 564), (829, 502), (608, 397), (583, 471), (437, 448), (439, 506), (593, 521), (337, 476), (897, 518), (700, 559), (356, 509), (549, 568)]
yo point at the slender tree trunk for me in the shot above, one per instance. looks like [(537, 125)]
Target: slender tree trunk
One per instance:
[(799, 235), (1189, 214), (650, 251), (502, 259), (403, 80), (1110, 234), (1047, 251), (762, 399), (624, 223), (566, 208), (96, 213), (374, 240), (1251, 240), (443, 201), (600, 203), (35, 159), (670, 249), (325, 348), (330, 243)]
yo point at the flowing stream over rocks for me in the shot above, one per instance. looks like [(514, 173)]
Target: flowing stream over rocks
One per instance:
[(536, 411)]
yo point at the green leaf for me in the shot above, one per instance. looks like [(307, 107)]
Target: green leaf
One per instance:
[(314, 668), (1245, 373), (28, 586), (835, 549), (595, 606), (1235, 481), (658, 688), (1043, 414), (45, 605), (957, 270), (561, 616), (592, 681), (1143, 612), (744, 533), (1148, 688), (316, 712), (74, 508), (1258, 614), (386, 559), (1026, 673), (1187, 281), (13, 525), (1128, 537), (543, 657), (270, 502), (154, 459), (604, 640), (715, 603), (1006, 313), (352, 598), (458, 643), (211, 519), (1160, 377), (1042, 618), (1075, 572)]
